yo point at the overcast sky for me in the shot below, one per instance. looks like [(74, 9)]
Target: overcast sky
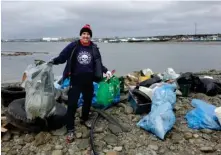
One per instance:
[(108, 18)]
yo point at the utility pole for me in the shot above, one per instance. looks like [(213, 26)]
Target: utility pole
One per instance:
[(195, 28)]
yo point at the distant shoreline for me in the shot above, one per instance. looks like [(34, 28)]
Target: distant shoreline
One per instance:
[(169, 41), (143, 42), (13, 53)]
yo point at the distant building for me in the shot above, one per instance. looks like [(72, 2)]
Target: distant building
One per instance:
[(46, 39), (54, 39), (124, 40), (50, 39)]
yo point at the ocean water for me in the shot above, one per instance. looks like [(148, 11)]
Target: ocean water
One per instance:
[(123, 57)]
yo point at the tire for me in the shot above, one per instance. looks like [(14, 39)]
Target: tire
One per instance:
[(58, 119), (23, 126), (12, 93), (17, 110), (64, 98), (16, 115)]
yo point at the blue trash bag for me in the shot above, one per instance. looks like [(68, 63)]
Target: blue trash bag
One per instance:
[(65, 83), (203, 116), (164, 94), (94, 99), (161, 118)]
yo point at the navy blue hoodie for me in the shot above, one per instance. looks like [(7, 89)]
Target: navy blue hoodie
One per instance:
[(80, 63)]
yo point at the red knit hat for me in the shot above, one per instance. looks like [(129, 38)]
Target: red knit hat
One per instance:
[(86, 28)]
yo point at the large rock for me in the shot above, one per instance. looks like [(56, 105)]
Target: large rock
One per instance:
[(201, 96), (85, 132), (177, 138), (70, 151), (78, 135), (128, 110), (136, 118), (207, 131), (59, 132), (99, 129), (33, 148), (207, 137), (114, 129), (188, 135), (47, 147), (84, 143), (29, 138), (5, 149), (100, 145), (57, 152), (19, 141), (118, 148), (17, 147), (153, 147), (207, 149), (110, 139), (42, 138), (218, 147), (172, 148), (7, 136), (112, 153), (195, 135), (58, 147)]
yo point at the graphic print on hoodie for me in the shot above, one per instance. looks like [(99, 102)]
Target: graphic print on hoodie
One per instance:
[(84, 60)]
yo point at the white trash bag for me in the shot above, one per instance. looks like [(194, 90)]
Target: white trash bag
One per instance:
[(170, 74), (218, 114), (40, 91), (147, 72), (147, 91)]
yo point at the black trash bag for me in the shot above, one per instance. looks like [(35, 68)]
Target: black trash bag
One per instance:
[(140, 102), (141, 97), (185, 78), (152, 80), (188, 79), (208, 86)]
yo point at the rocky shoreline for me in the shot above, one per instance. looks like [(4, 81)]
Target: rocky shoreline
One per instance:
[(111, 140)]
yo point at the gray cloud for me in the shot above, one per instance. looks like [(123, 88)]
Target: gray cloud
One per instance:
[(108, 18)]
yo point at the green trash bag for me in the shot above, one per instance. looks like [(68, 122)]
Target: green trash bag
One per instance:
[(108, 92)]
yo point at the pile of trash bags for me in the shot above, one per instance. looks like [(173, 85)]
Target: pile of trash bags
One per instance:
[(162, 90), (106, 93), (186, 82), (37, 110)]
